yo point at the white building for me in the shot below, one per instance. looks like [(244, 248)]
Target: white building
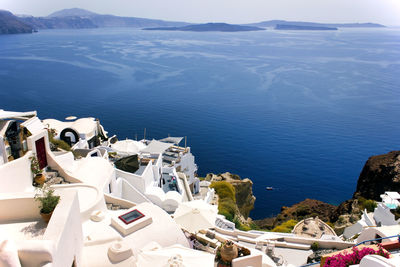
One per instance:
[(81, 231), (391, 199), (382, 216), (183, 160), (81, 133)]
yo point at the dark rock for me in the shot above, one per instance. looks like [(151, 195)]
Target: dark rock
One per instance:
[(380, 173), (304, 209), (266, 223)]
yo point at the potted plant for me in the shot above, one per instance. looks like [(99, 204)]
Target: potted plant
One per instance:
[(48, 201), (226, 253), (39, 178)]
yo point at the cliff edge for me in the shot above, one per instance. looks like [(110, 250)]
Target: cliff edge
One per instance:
[(11, 24), (380, 173), (240, 203)]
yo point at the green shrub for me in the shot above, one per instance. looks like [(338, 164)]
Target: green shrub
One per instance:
[(240, 226), (285, 227), (226, 207), (48, 201), (302, 210), (314, 246), (61, 144), (58, 143), (227, 200), (368, 204), (224, 189), (331, 224)]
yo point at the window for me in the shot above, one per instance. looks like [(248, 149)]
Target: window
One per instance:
[(131, 216), (24, 146), (8, 151)]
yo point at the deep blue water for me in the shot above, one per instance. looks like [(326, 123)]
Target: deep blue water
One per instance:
[(299, 111)]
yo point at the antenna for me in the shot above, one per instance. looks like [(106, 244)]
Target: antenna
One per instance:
[(185, 141), (144, 134), (136, 136)]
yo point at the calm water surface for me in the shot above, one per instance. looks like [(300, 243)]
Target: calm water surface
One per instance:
[(299, 111)]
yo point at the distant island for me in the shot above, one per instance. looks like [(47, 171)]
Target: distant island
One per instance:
[(274, 23), (209, 27), (304, 28), (76, 18)]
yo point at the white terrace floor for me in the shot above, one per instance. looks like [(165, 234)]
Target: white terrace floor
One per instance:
[(24, 230)]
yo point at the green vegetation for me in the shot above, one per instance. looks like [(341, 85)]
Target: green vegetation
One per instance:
[(58, 143), (314, 246), (330, 224), (227, 200), (35, 167), (285, 227), (61, 144), (243, 227), (48, 201), (302, 211), (367, 204), (227, 204)]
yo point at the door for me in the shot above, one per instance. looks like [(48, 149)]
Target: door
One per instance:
[(41, 152)]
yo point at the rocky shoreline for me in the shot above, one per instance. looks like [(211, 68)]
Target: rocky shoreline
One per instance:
[(380, 173)]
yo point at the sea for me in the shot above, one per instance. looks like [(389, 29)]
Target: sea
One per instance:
[(299, 111)]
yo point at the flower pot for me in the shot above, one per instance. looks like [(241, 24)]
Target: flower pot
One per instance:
[(229, 251), (40, 179), (46, 216)]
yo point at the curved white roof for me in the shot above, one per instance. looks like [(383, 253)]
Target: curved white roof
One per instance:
[(16, 115), (86, 126)]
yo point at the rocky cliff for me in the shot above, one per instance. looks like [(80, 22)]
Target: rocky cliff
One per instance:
[(76, 18), (59, 23), (380, 173), (243, 191), (299, 211), (12, 24)]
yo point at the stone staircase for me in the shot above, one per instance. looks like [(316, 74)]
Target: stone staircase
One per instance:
[(53, 177)]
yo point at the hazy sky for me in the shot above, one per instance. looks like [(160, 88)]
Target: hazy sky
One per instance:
[(233, 11)]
